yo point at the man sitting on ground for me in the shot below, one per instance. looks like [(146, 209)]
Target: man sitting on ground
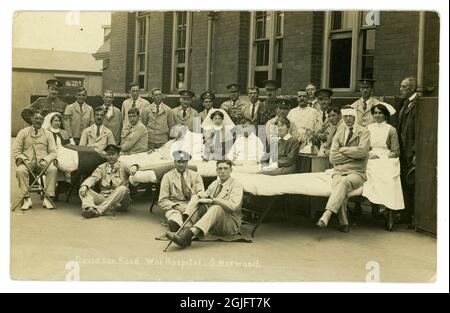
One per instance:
[(220, 208), (177, 188)]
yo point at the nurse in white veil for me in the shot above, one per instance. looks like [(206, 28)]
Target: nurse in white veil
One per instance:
[(218, 134), (383, 186)]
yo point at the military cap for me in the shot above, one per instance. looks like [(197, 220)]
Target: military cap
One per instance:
[(112, 147), (186, 93), (208, 95), (302, 93), (54, 83), (324, 92), (181, 155), (270, 83), (366, 82), (233, 87)]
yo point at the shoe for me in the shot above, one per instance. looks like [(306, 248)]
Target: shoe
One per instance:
[(90, 213), (47, 204), (344, 228), (27, 204), (389, 219), (173, 226), (321, 224), (183, 241)]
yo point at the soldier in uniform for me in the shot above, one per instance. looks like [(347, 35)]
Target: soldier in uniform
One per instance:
[(184, 114), (364, 105), (312, 99), (78, 116), (324, 100), (207, 100), (48, 104), (135, 101), (255, 108), (270, 105), (113, 116), (235, 106)]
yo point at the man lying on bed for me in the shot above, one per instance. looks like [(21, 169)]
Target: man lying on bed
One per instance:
[(349, 154), (220, 208)]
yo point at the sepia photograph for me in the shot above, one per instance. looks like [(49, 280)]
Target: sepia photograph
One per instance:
[(225, 145)]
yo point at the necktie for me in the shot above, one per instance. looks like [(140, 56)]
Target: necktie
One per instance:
[(253, 111), (98, 131), (157, 109), (55, 137), (218, 191), (184, 188), (134, 104), (364, 105), (324, 117), (350, 134), (184, 112), (81, 107), (35, 132)]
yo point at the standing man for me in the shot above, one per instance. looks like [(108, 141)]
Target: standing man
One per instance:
[(113, 116), (235, 105), (78, 116), (407, 135), (349, 154), (184, 114), (177, 188), (97, 136), (324, 101), (36, 147), (312, 100), (327, 133), (220, 211), (134, 136), (158, 118), (253, 110), (364, 105), (113, 179), (48, 104), (208, 101), (270, 105), (135, 101), (303, 117)]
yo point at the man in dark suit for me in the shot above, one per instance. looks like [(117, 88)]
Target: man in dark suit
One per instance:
[(407, 135)]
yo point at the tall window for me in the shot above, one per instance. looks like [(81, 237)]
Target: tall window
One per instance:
[(349, 47), (141, 50), (181, 50), (266, 52)]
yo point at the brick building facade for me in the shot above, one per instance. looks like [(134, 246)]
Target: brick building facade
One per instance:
[(330, 49)]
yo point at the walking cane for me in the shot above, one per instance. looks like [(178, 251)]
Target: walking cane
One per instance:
[(184, 224), (36, 178)]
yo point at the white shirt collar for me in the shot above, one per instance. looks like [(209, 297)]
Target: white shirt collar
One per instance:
[(413, 97), (287, 137)]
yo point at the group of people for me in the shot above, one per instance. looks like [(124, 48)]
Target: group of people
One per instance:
[(234, 134)]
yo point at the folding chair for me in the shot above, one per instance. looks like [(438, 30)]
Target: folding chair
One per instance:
[(36, 185)]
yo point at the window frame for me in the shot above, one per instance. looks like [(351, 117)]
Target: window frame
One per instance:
[(357, 35), (187, 49), (141, 16), (273, 40)]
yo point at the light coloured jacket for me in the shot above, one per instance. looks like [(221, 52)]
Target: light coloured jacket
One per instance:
[(89, 138), (30, 146), (171, 193), (134, 139), (109, 177), (351, 159), (141, 104), (158, 125), (188, 121), (232, 194), (75, 120), (114, 122), (365, 117)]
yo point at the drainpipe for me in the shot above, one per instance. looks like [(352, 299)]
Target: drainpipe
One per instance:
[(211, 18), (421, 53)]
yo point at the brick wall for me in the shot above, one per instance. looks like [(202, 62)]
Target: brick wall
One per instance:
[(121, 69), (155, 50), (225, 51), (199, 47), (297, 50), (395, 50)]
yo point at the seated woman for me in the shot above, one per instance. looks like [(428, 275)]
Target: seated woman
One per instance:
[(284, 160), (383, 186), (218, 137), (52, 123)]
